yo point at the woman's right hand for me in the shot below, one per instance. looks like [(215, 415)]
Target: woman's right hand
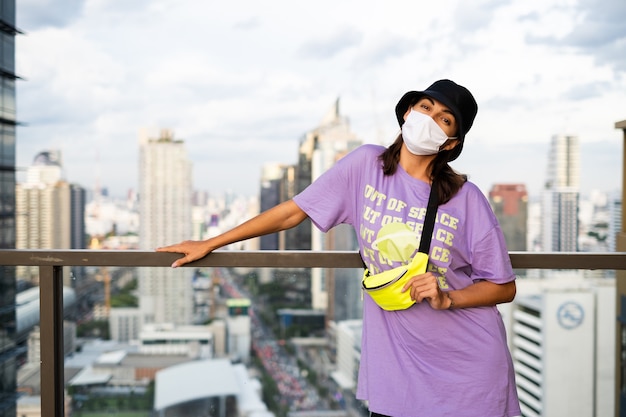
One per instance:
[(192, 249)]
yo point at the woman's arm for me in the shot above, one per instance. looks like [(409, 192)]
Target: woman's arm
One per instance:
[(481, 293), (281, 217)]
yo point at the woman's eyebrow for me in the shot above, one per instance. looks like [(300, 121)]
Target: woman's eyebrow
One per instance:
[(432, 101)]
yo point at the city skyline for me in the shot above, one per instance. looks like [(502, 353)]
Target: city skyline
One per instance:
[(243, 83)]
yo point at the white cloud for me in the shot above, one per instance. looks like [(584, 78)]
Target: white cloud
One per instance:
[(242, 81)]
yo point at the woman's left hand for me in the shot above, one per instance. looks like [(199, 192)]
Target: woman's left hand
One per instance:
[(426, 287), (479, 294)]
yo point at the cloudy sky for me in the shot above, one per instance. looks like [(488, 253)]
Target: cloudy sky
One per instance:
[(241, 81)]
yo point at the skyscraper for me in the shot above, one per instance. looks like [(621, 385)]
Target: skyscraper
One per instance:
[(270, 196), (615, 222), (78, 197), (8, 350), (49, 213), (320, 149), (510, 204), (165, 294), (561, 196)]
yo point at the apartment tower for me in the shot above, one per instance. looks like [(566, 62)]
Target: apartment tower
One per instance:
[(561, 196), (510, 204), (49, 213), (165, 192)]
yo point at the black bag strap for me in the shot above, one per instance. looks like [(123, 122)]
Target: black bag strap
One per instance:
[(429, 220)]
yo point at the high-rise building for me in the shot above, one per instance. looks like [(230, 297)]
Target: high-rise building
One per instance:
[(320, 149), (50, 213), (510, 204), (78, 235), (561, 196), (615, 222), (8, 121), (165, 294), (620, 308), (270, 196), (563, 163), (562, 337)]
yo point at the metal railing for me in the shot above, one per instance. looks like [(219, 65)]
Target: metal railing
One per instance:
[(51, 263)]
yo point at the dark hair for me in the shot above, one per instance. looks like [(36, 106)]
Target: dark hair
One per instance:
[(446, 179)]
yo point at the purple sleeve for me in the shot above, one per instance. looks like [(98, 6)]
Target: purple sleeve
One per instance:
[(490, 258), (329, 200)]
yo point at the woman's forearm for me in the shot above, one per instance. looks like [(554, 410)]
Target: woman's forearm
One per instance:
[(281, 217), (483, 293)]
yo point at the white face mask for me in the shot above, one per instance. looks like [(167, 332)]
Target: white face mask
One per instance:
[(422, 135)]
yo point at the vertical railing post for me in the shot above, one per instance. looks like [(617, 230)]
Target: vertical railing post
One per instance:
[(51, 328)]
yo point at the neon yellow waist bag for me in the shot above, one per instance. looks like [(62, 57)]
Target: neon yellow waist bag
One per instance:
[(385, 288)]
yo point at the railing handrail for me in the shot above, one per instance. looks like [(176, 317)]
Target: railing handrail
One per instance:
[(51, 263), (282, 259)]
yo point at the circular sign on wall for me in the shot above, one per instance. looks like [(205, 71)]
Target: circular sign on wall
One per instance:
[(570, 315)]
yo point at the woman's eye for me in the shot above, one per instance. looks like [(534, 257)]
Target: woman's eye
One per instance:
[(447, 121), (425, 107)]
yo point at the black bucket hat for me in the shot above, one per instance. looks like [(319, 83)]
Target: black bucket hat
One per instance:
[(454, 96)]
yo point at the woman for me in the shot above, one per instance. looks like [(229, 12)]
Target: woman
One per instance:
[(446, 355)]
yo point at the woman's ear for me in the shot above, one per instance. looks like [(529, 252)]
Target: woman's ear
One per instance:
[(449, 145), (406, 113)]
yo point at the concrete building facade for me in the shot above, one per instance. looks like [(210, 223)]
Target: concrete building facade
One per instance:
[(560, 332), (165, 294), (620, 326), (510, 205), (561, 196)]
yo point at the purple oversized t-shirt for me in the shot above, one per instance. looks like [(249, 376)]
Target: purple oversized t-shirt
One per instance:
[(421, 361)]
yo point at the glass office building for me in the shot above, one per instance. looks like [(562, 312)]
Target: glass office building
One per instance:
[(8, 349)]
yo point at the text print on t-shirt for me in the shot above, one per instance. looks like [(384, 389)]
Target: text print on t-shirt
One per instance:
[(391, 230)]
